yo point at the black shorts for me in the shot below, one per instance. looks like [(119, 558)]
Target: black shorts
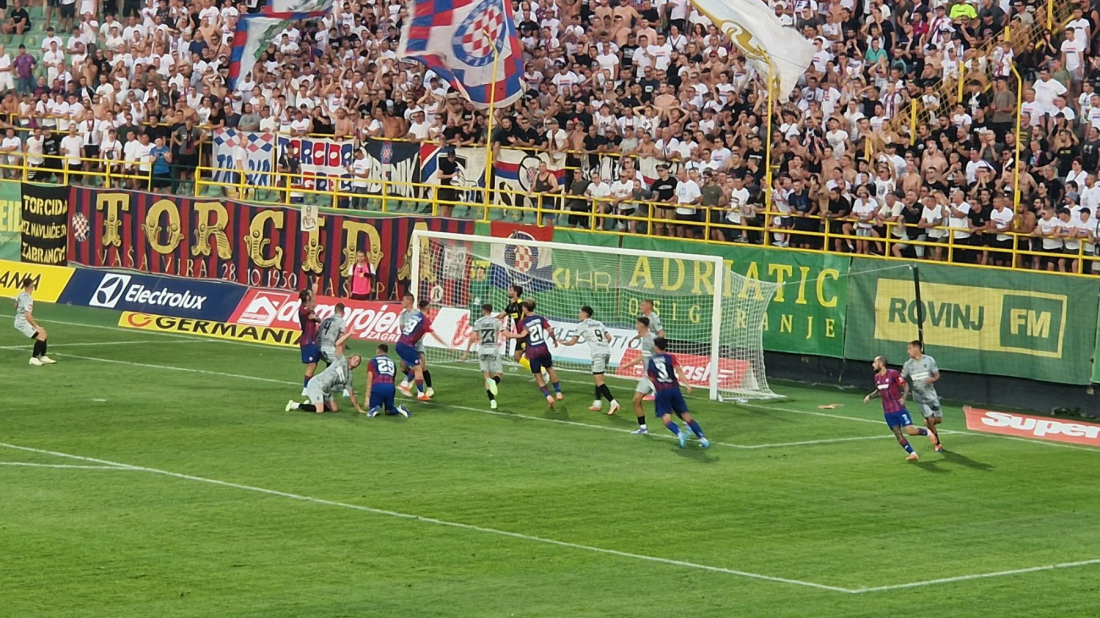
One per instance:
[(836, 227), (162, 182), (53, 3), (360, 296), (189, 160), (68, 11), (692, 218)]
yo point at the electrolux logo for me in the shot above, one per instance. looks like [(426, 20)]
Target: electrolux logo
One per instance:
[(116, 288), (110, 291)]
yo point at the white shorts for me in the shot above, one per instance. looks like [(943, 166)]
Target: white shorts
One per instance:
[(644, 386), (490, 363), (863, 231), (316, 395), (600, 362), (27, 330)]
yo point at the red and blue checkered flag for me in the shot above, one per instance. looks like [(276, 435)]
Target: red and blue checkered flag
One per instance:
[(455, 39)]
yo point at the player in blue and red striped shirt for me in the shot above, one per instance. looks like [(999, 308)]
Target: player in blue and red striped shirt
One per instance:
[(307, 341), (416, 326), (666, 373), (380, 385), (893, 389), (535, 330)]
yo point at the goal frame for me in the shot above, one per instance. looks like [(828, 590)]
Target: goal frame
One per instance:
[(420, 235)]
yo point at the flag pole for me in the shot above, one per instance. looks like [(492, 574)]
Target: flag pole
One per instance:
[(489, 124), (768, 143)]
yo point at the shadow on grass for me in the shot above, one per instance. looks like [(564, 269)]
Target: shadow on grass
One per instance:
[(963, 460), (931, 466)]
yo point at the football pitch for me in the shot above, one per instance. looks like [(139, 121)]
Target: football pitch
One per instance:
[(149, 474)]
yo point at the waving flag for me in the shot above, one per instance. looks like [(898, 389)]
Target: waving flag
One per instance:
[(755, 30), (255, 31), (456, 39)]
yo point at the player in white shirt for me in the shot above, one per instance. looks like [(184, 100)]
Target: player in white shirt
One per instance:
[(595, 334), (486, 333)]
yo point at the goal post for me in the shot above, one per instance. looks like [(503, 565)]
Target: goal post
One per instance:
[(712, 317)]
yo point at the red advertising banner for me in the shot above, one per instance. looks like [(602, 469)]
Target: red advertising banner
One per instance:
[(731, 373), (1034, 427), (372, 320), (258, 246)]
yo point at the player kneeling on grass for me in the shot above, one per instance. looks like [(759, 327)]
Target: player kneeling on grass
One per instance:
[(380, 385), (24, 323), (666, 375), (536, 330), (595, 333), (319, 389), (892, 388), (486, 333), (922, 370)]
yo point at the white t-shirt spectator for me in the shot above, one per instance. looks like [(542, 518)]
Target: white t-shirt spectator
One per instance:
[(1002, 220), (72, 148), (1045, 92), (960, 226), (686, 193), (1048, 228)]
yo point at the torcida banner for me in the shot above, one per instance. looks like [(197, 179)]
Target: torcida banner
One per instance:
[(258, 246)]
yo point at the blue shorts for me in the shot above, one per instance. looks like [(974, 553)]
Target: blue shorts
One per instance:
[(669, 400), (898, 419), (541, 362), (408, 355), (381, 396), (310, 354)]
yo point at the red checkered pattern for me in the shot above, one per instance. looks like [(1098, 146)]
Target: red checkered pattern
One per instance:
[(523, 261), (484, 32)]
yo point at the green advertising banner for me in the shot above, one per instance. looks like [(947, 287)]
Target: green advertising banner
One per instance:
[(11, 206), (807, 314), (1028, 325), (580, 237)]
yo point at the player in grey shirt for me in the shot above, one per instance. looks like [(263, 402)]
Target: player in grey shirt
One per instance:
[(25, 324), (655, 325), (403, 317), (923, 373), (335, 378), (645, 341), (486, 333), (596, 336), (332, 334)]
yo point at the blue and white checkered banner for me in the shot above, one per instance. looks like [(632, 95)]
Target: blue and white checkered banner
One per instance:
[(252, 152)]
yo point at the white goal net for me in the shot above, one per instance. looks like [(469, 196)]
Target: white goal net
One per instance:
[(716, 337)]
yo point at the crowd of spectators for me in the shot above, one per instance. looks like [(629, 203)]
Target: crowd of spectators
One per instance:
[(140, 86)]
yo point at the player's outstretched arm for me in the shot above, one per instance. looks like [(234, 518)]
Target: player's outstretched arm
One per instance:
[(868, 398), (355, 398), (469, 344), (520, 335), (680, 375), (437, 338), (571, 341)]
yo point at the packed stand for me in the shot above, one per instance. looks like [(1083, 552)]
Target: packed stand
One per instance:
[(137, 89)]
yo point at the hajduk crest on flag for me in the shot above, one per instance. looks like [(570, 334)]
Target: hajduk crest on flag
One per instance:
[(456, 39)]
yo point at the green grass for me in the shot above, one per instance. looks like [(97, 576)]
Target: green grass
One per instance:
[(846, 514)]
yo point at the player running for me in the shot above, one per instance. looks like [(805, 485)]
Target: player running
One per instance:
[(335, 378), (890, 386), (417, 324), (402, 320), (514, 311), (595, 333), (922, 371), (307, 341), (666, 376), (486, 332), (536, 329), (380, 385), (645, 341), (25, 324)]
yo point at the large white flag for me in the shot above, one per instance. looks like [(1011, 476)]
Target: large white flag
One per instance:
[(755, 30)]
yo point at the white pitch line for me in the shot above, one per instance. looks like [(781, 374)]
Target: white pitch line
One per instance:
[(966, 578), (559, 421), (71, 467), (438, 522), (107, 343)]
